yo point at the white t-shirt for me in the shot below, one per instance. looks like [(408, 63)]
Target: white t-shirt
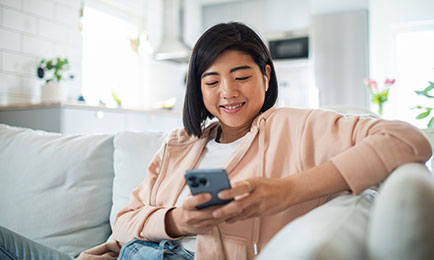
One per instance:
[(215, 155)]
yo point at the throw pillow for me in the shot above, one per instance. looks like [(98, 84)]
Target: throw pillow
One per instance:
[(56, 189)]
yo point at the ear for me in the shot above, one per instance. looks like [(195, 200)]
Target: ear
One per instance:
[(266, 83), (267, 76)]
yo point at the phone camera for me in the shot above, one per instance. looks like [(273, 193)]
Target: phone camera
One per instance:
[(192, 180), (203, 181)]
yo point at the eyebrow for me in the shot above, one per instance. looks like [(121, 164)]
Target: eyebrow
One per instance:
[(243, 67)]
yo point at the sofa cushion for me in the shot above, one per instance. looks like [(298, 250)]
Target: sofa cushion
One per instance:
[(401, 222), (56, 189), (133, 151), (335, 230)]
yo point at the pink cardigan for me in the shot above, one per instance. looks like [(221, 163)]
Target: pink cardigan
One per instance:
[(281, 142)]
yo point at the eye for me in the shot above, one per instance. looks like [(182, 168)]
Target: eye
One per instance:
[(211, 83), (242, 78)]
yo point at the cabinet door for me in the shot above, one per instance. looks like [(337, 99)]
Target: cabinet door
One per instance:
[(91, 121), (47, 119)]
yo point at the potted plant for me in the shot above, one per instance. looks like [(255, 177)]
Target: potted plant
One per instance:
[(53, 71)]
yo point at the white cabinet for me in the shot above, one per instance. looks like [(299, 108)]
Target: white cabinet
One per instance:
[(78, 119), (267, 17), (86, 121)]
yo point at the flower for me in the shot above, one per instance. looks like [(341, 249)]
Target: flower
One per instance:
[(379, 96)]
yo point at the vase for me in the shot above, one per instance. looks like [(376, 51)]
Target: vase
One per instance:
[(54, 92)]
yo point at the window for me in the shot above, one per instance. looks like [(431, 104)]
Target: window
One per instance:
[(414, 55), (109, 63)]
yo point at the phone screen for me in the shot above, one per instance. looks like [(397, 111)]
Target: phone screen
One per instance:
[(208, 181)]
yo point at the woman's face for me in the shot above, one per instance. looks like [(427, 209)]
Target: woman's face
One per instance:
[(233, 88)]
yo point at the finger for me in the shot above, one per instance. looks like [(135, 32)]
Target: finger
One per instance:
[(238, 189), (250, 212), (192, 202), (233, 208)]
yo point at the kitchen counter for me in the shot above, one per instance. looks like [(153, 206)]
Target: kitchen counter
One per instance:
[(80, 118), (162, 111)]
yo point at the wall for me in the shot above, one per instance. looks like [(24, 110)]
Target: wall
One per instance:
[(339, 43), (29, 31), (385, 16)]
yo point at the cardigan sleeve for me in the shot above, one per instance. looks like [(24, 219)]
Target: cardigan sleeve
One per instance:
[(364, 150), (139, 219)]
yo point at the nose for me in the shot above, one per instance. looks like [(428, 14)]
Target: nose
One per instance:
[(229, 89)]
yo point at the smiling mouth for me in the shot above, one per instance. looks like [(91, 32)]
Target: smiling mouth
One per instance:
[(231, 107)]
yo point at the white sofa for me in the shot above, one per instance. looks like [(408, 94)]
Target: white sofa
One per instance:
[(64, 190)]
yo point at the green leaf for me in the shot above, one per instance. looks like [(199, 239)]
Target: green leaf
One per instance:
[(423, 114), (423, 93), (431, 123)]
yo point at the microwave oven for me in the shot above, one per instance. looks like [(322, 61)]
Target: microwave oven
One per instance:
[(290, 48)]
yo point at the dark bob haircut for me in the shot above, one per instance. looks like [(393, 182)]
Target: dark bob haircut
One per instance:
[(216, 40)]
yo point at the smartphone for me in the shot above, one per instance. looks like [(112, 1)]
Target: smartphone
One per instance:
[(208, 181)]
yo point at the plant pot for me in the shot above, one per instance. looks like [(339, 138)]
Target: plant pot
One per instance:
[(54, 92)]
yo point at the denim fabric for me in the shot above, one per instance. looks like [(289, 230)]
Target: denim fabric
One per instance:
[(16, 247), (163, 250)]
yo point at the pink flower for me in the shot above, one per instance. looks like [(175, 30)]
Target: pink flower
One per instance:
[(389, 82), (371, 83)]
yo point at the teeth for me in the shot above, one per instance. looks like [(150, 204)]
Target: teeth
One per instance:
[(233, 107)]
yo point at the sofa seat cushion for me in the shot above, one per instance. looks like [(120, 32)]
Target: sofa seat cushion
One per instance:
[(56, 189)]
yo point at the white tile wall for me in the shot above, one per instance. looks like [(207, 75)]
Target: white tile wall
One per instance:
[(31, 30), (18, 20), (67, 15), (11, 3), (9, 84), (53, 31), (10, 40), (44, 8), (19, 63), (38, 46)]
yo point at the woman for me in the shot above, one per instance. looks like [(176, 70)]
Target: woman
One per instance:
[(282, 163)]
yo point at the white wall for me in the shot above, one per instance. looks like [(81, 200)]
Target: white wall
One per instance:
[(29, 31)]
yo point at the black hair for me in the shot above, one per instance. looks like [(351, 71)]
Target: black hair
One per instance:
[(216, 40)]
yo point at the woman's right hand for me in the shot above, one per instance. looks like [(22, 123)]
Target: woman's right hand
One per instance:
[(187, 219)]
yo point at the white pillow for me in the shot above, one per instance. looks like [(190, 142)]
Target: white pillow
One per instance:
[(133, 151), (56, 189)]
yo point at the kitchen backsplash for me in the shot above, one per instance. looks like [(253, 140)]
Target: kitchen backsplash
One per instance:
[(29, 31)]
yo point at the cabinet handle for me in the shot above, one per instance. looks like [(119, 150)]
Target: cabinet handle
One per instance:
[(99, 115)]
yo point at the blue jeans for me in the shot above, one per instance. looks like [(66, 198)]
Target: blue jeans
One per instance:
[(163, 250), (16, 247)]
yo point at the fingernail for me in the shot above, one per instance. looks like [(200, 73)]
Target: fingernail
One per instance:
[(216, 214), (221, 194)]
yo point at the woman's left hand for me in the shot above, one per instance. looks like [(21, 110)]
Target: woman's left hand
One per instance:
[(254, 197)]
